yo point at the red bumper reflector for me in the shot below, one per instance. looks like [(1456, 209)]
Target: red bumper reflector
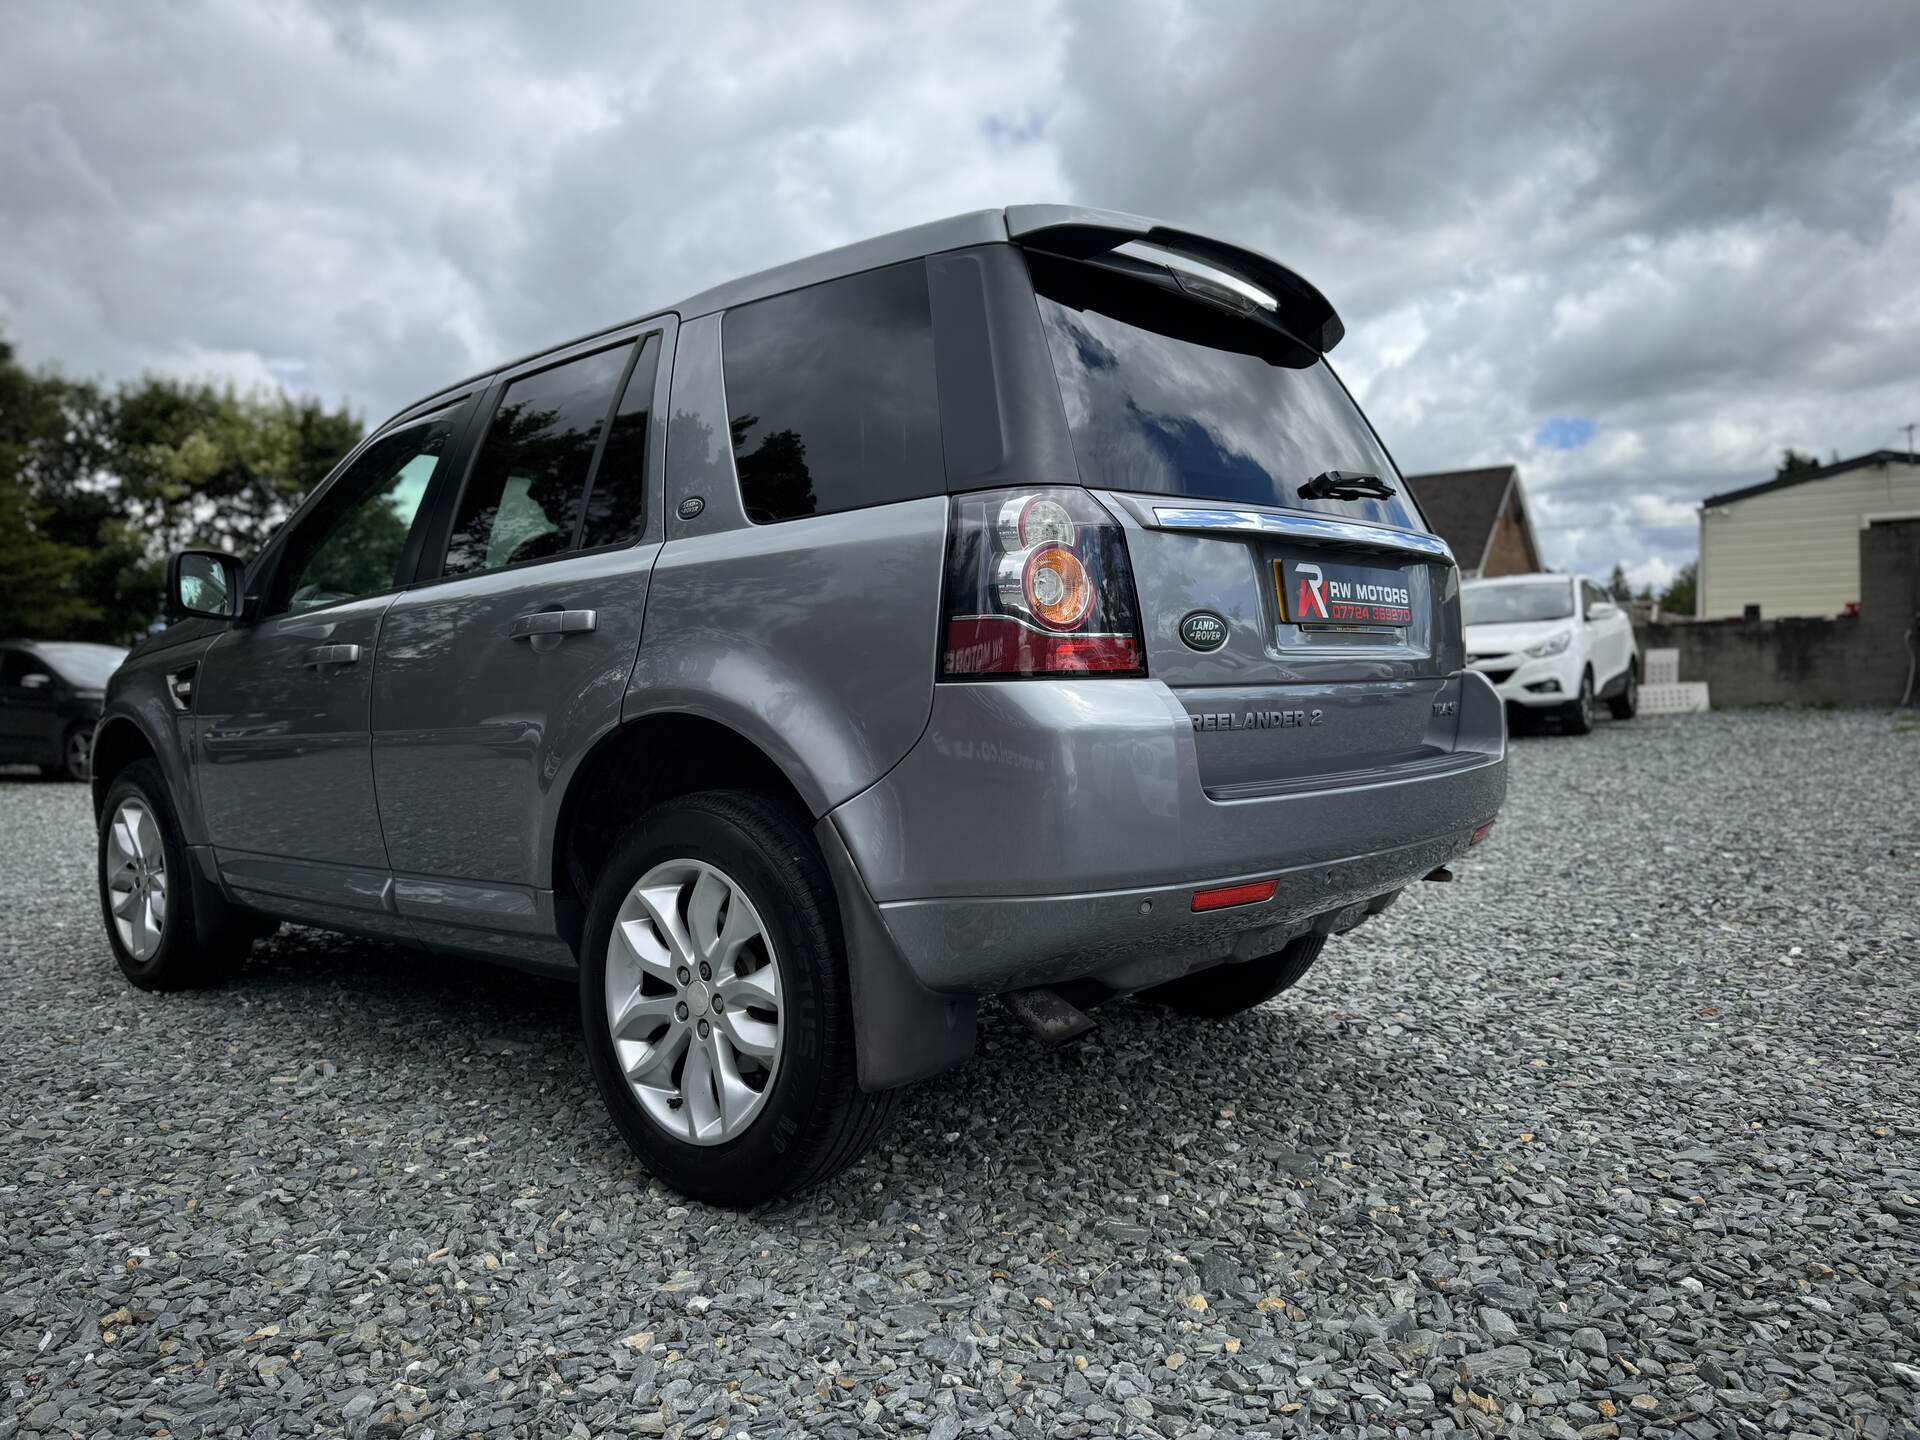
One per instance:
[(1481, 833), (1234, 895)]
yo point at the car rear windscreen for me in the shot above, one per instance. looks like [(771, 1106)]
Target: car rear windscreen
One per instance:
[(1173, 395)]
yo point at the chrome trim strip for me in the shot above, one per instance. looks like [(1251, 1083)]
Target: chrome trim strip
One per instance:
[(1302, 527)]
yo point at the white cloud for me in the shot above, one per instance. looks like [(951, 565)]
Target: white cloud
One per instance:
[(1697, 228), (1654, 573)]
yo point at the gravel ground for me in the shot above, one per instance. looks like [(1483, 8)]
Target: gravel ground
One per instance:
[(1619, 1134)]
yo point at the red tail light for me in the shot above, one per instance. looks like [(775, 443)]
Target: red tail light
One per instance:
[(1038, 583)]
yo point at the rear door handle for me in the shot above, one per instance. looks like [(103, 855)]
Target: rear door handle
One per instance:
[(553, 622), (330, 655)]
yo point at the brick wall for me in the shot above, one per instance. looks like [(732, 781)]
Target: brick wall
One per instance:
[(1507, 554), (1852, 660)]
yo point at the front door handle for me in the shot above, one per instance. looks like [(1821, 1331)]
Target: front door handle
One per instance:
[(330, 655), (553, 622)]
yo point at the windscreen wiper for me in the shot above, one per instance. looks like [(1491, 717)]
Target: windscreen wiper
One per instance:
[(1346, 485)]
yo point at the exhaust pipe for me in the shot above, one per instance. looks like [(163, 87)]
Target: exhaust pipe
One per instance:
[(1050, 1015)]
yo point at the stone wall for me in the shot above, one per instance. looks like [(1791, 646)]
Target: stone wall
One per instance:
[(1850, 660)]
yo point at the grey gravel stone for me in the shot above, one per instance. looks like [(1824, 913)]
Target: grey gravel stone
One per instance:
[(1625, 1116)]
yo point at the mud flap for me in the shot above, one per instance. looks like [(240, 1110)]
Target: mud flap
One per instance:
[(902, 1030)]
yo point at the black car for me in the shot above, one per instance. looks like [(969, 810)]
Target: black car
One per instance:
[(50, 695)]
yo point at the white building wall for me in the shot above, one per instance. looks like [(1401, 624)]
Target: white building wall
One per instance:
[(1796, 551)]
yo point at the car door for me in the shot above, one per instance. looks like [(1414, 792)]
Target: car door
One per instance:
[(29, 708), (509, 658), (1609, 633), (282, 700)]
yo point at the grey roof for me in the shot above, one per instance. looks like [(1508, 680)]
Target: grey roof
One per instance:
[(1063, 229), (1801, 477), (1463, 506)]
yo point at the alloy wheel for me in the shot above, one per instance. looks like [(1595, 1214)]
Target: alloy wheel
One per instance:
[(693, 1001), (136, 879), (79, 754)]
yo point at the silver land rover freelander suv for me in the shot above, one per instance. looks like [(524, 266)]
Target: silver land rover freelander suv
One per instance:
[(1016, 605)]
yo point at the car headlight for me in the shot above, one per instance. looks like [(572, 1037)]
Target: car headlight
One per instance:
[(1552, 645)]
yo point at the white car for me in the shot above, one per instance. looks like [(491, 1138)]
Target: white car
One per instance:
[(1553, 644)]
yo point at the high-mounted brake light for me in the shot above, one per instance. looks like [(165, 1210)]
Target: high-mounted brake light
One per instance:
[(1038, 583)]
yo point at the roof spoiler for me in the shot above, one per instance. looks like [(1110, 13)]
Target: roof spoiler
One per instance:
[(1081, 234)]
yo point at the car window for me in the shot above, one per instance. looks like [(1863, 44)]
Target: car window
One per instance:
[(16, 665), (525, 497), (831, 396), (353, 544), (84, 665), (1174, 395), (616, 501), (1509, 604)]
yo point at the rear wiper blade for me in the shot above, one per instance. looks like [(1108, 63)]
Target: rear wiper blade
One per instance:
[(1346, 485)]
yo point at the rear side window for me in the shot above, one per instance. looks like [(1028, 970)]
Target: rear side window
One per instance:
[(1172, 395), (617, 495), (831, 396), (528, 491)]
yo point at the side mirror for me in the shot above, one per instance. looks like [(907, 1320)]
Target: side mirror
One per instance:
[(37, 680), (204, 583), (1601, 609)]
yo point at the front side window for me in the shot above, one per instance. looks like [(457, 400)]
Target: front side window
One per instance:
[(17, 665), (831, 396), (355, 542), (525, 497)]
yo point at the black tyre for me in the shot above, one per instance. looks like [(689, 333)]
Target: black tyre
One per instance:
[(1626, 704), (1229, 989), (147, 896), (718, 1019), (76, 755), (1578, 717)]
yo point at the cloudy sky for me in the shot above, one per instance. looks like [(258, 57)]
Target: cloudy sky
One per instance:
[(1635, 248)]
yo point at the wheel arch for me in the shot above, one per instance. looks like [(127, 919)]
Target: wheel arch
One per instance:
[(639, 763), (118, 741)]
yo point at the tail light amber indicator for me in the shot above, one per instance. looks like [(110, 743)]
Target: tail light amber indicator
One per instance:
[(1038, 583)]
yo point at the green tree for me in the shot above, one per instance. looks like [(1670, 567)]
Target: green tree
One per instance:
[(41, 596), (1618, 585), (205, 465), (1792, 462), (115, 480), (1681, 592), (44, 453)]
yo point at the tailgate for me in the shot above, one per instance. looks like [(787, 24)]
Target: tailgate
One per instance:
[(1287, 689)]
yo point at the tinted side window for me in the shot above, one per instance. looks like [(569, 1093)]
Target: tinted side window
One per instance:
[(354, 544), (523, 500), (616, 505), (16, 665), (830, 396)]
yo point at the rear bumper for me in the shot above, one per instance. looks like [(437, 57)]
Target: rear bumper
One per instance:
[(1049, 831)]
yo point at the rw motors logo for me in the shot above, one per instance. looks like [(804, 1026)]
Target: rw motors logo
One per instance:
[(1344, 595), (1311, 603)]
